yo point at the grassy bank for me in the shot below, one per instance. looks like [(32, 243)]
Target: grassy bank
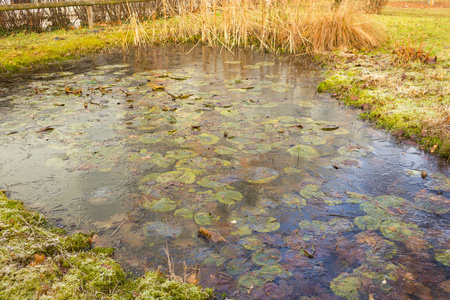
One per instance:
[(39, 262), (410, 98)]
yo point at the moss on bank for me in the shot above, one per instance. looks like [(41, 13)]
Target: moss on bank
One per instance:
[(38, 261), (411, 100)]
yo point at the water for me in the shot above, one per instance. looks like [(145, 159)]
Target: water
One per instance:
[(145, 148)]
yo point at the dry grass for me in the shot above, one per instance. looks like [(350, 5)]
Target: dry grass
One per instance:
[(295, 26)]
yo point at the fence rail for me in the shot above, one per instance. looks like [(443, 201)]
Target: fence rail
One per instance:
[(23, 6), (88, 3)]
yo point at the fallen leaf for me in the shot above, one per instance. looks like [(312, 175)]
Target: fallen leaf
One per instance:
[(192, 279), (433, 148), (48, 128), (158, 88), (211, 236)]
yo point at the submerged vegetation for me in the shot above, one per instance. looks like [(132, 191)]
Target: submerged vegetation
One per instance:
[(38, 262)]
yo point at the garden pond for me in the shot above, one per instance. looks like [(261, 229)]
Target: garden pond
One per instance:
[(304, 201)]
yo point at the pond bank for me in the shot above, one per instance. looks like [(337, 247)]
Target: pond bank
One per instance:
[(38, 262), (409, 97)]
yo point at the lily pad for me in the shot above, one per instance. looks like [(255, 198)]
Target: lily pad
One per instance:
[(199, 165), (263, 224), (207, 139), (313, 140), (214, 260), (162, 229), (346, 286), (312, 191), (184, 212), (251, 280), (443, 256), (225, 150), (262, 175), (162, 205), (251, 243), (439, 182), (180, 154), (431, 203), (184, 176), (203, 218), (266, 256), (355, 150), (303, 151), (293, 200), (228, 197), (212, 181), (152, 138)]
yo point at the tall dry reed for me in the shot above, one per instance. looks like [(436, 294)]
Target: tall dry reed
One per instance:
[(294, 26)]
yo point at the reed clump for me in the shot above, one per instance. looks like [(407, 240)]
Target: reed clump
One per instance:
[(296, 26)]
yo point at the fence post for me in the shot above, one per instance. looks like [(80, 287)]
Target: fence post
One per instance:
[(90, 17)]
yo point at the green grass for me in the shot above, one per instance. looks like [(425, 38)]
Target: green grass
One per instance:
[(430, 26), (411, 99), (25, 50)]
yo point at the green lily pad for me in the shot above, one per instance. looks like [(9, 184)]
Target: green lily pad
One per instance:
[(184, 176), (332, 227), (228, 197), (293, 200), (212, 182), (161, 205), (431, 203), (272, 271), (180, 154), (184, 212), (162, 229), (207, 139), (439, 182), (375, 244), (266, 256), (262, 175), (443, 256), (157, 158), (199, 165), (312, 191), (231, 251), (152, 138), (265, 63), (357, 197), (346, 286), (263, 224), (243, 230), (214, 260), (303, 151), (251, 243), (251, 280), (355, 150), (203, 218), (313, 140), (367, 223), (225, 150), (398, 230)]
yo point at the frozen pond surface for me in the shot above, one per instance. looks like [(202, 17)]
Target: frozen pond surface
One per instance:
[(148, 148)]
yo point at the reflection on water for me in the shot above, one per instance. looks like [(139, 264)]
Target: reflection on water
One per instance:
[(146, 149)]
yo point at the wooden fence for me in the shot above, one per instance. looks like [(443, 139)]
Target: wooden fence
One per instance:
[(88, 3)]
